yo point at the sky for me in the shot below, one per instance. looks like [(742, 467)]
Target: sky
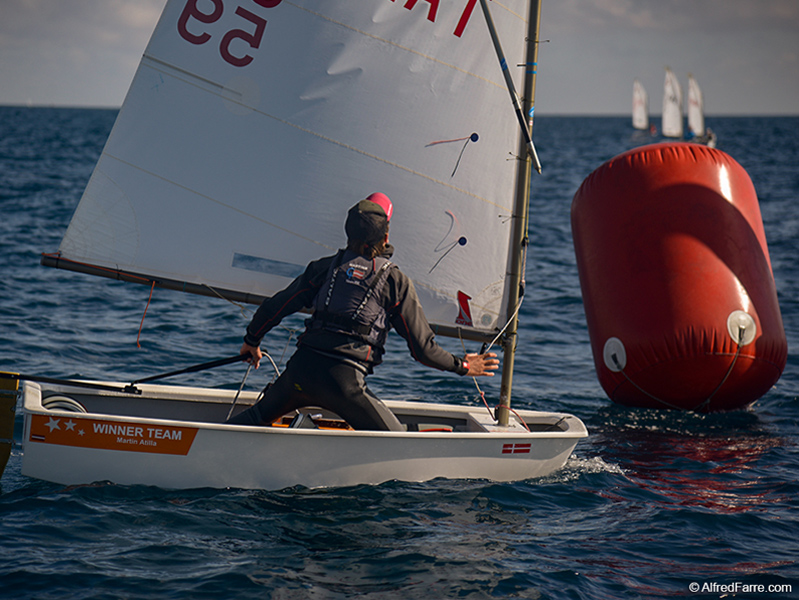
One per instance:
[(744, 53)]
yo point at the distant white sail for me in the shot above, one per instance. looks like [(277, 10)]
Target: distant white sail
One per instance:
[(696, 108), (672, 125), (640, 106), (252, 126)]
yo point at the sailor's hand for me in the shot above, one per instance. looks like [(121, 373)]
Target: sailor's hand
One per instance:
[(482, 364), (255, 354)]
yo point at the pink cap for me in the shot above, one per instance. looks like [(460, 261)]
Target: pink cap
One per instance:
[(383, 202)]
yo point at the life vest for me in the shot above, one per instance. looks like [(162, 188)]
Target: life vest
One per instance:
[(348, 300)]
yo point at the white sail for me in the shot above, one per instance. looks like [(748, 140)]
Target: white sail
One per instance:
[(252, 126), (640, 106), (671, 125), (696, 109)]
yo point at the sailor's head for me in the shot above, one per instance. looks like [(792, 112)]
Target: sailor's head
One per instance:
[(368, 220)]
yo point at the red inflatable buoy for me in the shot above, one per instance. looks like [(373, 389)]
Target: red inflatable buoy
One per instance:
[(679, 295)]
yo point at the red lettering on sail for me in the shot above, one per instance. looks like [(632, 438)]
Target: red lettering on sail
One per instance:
[(250, 36), (191, 11), (464, 20), (253, 39), (465, 313), (433, 12)]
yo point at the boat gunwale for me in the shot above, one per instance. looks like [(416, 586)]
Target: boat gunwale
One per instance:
[(32, 395)]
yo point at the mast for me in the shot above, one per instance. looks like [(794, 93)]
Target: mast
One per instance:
[(519, 239)]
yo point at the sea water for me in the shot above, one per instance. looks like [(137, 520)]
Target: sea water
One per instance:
[(654, 504)]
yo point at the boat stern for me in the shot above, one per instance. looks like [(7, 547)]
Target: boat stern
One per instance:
[(8, 405)]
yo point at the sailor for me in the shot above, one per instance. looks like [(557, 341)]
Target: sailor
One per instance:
[(357, 295)]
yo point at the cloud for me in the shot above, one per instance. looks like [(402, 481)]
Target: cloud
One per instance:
[(93, 19), (75, 51), (696, 16)]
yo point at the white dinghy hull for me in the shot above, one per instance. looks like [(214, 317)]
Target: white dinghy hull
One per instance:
[(173, 437)]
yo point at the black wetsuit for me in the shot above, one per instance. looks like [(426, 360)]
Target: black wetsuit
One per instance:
[(329, 368)]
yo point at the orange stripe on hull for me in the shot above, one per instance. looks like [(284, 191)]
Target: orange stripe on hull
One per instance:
[(111, 435)]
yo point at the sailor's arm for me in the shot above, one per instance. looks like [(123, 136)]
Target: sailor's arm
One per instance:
[(481, 364), (410, 322), (254, 352)]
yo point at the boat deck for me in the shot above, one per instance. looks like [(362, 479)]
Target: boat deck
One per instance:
[(212, 406)]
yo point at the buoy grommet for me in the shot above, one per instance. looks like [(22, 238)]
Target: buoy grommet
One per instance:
[(741, 327), (614, 354)]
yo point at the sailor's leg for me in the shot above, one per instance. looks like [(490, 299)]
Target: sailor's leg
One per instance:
[(312, 379), (356, 404), (279, 398)]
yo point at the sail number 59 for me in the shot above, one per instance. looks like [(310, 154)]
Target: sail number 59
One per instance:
[(252, 36)]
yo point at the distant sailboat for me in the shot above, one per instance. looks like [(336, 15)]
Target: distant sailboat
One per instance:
[(671, 125), (696, 115), (640, 106)]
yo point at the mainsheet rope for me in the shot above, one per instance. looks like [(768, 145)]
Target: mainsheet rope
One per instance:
[(141, 325), (57, 256)]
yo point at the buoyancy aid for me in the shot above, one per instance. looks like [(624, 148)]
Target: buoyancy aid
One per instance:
[(348, 301)]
